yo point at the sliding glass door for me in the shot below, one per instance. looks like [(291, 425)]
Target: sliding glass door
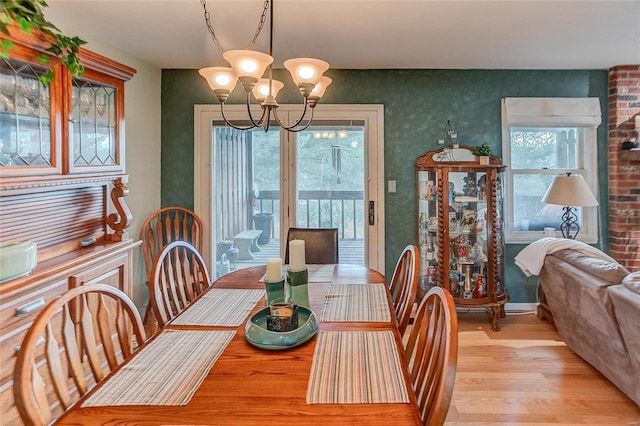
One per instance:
[(251, 186)]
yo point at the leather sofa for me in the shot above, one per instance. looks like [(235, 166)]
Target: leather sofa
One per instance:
[(595, 306)]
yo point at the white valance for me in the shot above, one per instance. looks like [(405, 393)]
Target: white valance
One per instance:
[(579, 112)]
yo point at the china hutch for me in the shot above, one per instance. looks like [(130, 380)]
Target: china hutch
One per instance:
[(460, 228), (62, 185)]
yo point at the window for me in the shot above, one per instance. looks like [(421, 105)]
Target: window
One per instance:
[(543, 138)]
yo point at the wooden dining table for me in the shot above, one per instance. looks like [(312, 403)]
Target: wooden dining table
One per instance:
[(248, 385)]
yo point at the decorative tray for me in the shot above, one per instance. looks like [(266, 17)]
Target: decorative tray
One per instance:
[(256, 333)]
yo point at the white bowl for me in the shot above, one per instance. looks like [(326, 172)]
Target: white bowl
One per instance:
[(17, 259)]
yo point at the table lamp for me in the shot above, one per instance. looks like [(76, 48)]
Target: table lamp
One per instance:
[(569, 191)]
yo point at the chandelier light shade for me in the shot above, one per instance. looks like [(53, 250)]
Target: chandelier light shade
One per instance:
[(221, 80), (249, 66), (569, 191), (306, 73), (264, 85)]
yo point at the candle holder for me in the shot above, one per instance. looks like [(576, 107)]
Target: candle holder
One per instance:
[(283, 315), (298, 286), (274, 290)]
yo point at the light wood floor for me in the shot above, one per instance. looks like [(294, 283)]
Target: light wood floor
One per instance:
[(525, 374)]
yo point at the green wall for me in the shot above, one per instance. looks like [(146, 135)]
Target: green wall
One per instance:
[(417, 104)]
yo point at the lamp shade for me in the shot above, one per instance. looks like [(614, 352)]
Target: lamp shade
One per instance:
[(320, 88), (306, 70), (248, 64), (571, 190), (222, 80), (261, 89)]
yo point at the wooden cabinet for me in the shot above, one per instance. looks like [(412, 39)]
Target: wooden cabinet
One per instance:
[(73, 125), (22, 299), (62, 186), (460, 228)]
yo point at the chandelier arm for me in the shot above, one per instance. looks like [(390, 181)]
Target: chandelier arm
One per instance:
[(229, 123), (293, 128), (253, 121)]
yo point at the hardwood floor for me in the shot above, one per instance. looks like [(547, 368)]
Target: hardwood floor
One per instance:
[(525, 374)]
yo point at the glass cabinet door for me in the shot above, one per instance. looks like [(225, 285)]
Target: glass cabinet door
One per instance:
[(27, 136), (93, 126), (468, 234), (428, 229)]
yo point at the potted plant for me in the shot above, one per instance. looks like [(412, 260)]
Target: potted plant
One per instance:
[(28, 16), (483, 152)]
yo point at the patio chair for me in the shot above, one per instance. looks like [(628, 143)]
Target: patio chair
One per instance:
[(161, 228), (320, 245), (404, 285), (179, 275), (432, 355), (73, 343)]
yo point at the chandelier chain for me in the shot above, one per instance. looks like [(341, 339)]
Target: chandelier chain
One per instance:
[(261, 22)]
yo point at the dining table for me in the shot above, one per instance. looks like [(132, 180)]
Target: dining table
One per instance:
[(200, 369)]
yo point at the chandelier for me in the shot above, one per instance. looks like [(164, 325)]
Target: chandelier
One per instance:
[(248, 67)]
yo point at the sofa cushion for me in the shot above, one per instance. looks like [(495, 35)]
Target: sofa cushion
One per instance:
[(632, 282), (611, 272)]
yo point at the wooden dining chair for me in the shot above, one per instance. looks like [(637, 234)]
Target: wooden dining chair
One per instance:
[(161, 228), (404, 285), (320, 245), (73, 343), (432, 355), (178, 276)]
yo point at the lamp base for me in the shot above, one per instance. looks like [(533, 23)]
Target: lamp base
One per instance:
[(569, 225)]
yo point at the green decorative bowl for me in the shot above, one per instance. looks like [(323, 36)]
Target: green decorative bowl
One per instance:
[(256, 333)]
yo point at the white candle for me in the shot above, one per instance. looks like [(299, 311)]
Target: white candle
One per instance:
[(274, 270), (296, 255)]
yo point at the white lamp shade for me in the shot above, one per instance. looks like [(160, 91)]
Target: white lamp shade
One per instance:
[(320, 88), (306, 70), (219, 78), (261, 89), (248, 63), (570, 191)]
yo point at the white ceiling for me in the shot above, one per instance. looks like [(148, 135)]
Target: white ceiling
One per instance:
[(446, 34)]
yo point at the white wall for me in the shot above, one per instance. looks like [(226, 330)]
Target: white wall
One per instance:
[(142, 133)]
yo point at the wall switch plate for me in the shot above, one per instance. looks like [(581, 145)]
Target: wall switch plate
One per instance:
[(391, 186)]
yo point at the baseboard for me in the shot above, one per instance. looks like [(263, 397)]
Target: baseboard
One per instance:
[(520, 307)]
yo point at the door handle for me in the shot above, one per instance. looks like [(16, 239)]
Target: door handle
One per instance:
[(372, 213)]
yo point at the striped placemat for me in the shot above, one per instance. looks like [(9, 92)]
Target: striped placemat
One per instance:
[(356, 367), (166, 372), (357, 302), (223, 307), (321, 273)]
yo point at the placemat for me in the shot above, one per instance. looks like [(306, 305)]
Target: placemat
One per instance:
[(224, 307), (321, 273), (356, 367), (166, 372), (357, 302)]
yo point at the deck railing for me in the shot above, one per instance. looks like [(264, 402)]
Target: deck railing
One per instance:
[(322, 209)]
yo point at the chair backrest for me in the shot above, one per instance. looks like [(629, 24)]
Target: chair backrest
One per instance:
[(404, 285), (178, 276), (320, 245), (166, 226), (432, 355), (72, 344)]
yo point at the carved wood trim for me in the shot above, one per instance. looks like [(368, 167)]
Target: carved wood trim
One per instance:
[(120, 221)]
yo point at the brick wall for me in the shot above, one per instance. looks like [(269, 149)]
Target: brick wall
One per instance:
[(624, 166)]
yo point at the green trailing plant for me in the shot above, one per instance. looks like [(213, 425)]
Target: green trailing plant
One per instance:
[(28, 15), (482, 150)]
